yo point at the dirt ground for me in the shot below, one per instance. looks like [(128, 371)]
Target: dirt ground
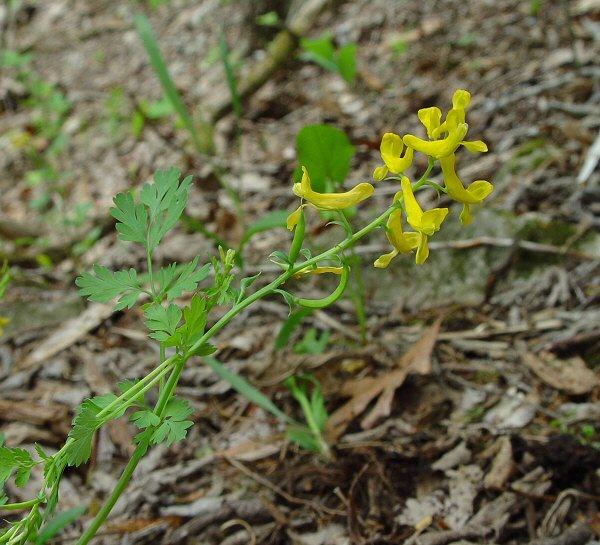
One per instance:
[(493, 436)]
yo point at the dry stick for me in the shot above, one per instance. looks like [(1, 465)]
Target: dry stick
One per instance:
[(280, 492), (277, 53)]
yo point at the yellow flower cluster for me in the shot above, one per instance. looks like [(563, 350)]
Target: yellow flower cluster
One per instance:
[(444, 139)]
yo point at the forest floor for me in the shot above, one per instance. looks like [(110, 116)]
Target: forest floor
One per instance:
[(491, 433)]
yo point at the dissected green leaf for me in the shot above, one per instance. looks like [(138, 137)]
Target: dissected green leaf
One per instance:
[(143, 419), (85, 423), (131, 218), (102, 286), (194, 316), (166, 199), (174, 426), (174, 280), (22, 476), (162, 321), (326, 152)]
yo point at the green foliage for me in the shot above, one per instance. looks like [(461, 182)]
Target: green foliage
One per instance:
[(54, 526), (326, 152), (322, 51), (315, 413), (289, 326), (230, 75), (268, 19), (174, 280), (15, 460), (174, 426), (311, 343), (160, 68), (163, 322), (102, 286)]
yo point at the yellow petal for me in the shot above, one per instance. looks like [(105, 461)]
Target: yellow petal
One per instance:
[(461, 99), (465, 216), (432, 220), (438, 148), (480, 189), (391, 149), (430, 117), (332, 201), (402, 242), (384, 260), (380, 173), (474, 195), (413, 211), (292, 219), (477, 146), (422, 250)]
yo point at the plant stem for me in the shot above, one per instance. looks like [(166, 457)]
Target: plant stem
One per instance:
[(19, 505), (122, 483)]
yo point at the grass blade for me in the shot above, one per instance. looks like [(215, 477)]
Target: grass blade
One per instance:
[(242, 386), (161, 70), (231, 82)]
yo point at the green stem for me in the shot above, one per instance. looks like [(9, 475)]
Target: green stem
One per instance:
[(122, 483), (19, 505), (135, 390)]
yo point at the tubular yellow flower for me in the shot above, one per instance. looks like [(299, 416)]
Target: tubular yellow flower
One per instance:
[(391, 150), (454, 127), (474, 194), (403, 243), (425, 223), (331, 201)]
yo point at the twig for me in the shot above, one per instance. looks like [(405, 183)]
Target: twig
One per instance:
[(288, 497)]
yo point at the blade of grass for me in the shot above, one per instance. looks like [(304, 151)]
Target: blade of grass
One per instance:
[(151, 45), (231, 81), (242, 386)]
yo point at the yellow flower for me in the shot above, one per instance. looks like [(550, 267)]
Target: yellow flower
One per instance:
[(425, 223), (319, 270), (475, 193), (3, 322), (403, 243), (454, 127), (331, 201), (391, 150)]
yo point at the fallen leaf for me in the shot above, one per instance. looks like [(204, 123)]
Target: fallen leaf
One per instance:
[(570, 375), (362, 391)]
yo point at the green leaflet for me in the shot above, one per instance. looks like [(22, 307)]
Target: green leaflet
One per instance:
[(102, 286), (12, 459), (163, 321), (174, 280), (166, 199), (85, 423), (174, 425)]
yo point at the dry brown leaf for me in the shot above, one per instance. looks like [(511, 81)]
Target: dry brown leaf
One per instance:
[(570, 375), (502, 466), (362, 391)]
